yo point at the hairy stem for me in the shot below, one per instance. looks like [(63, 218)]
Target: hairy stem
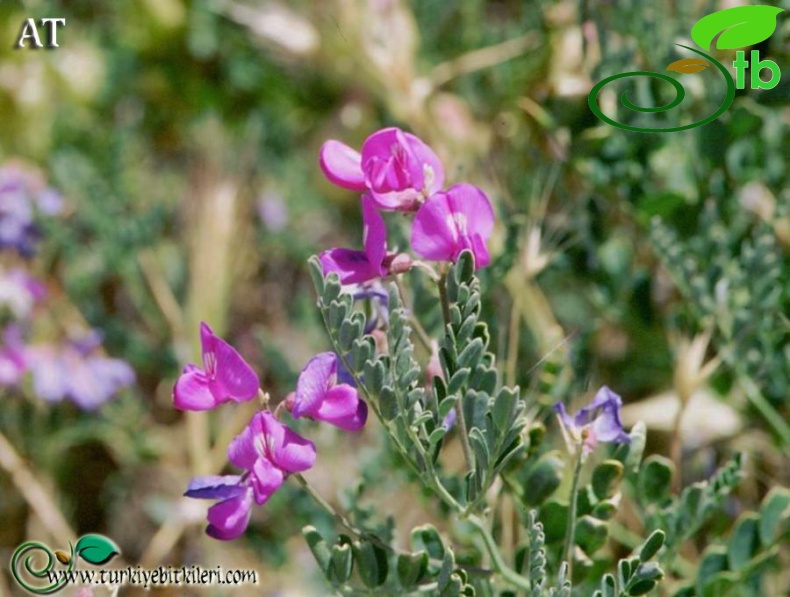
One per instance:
[(463, 432), (510, 575), (567, 550)]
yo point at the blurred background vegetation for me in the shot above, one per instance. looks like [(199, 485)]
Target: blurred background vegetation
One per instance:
[(184, 137)]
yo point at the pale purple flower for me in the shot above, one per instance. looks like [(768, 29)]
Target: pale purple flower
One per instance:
[(71, 371), (12, 357), (22, 193), (451, 221), (595, 423), (397, 168), (354, 266), (379, 301), (320, 397), (19, 292), (225, 377), (273, 211), (268, 451)]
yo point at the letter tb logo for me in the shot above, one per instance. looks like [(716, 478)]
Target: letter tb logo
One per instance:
[(757, 66)]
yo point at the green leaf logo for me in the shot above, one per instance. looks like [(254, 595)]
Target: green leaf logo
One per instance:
[(739, 27), (96, 549)]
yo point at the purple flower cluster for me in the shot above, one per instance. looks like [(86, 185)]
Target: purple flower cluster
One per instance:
[(22, 194), (72, 369), (267, 450), (75, 370), (396, 171)]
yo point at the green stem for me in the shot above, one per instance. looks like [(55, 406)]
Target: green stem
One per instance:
[(567, 550), (768, 412), (433, 480), (327, 507), (463, 432), (510, 575), (422, 335)]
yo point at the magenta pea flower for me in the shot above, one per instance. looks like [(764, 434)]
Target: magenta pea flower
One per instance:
[(354, 266), (320, 397), (397, 168), (597, 422), (268, 451), (451, 221), (225, 377)]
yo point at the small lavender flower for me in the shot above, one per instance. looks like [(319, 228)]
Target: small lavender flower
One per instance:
[(19, 292), (396, 168), (225, 377), (273, 211), (22, 194), (379, 300), (597, 422)]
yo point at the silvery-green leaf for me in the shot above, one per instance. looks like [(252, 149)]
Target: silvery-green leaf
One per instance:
[(606, 477), (504, 408), (714, 560), (543, 478), (372, 563), (744, 541), (479, 448), (411, 568), (446, 405), (319, 548), (342, 561), (590, 534), (651, 545), (471, 354), (458, 379), (655, 477), (774, 514), (317, 274), (426, 538)]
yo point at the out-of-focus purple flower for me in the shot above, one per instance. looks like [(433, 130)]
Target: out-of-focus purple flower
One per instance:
[(273, 211), (397, 168), (379, 300), (22, 193), (449, 222), (70, 371), (268, 451), (597, 422), (12, 356), (356, 267), (225, 377), (449, 419), (320, 397), (19, 291)]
